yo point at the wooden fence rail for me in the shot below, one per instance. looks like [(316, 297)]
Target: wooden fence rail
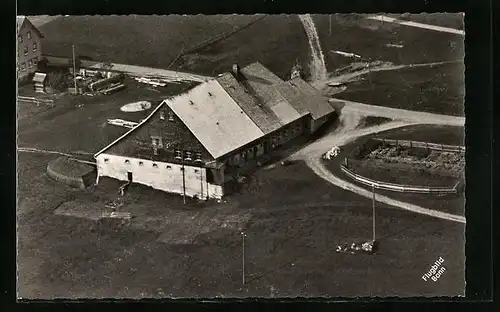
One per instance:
[(35, 100), (398, 187), (432, 146)]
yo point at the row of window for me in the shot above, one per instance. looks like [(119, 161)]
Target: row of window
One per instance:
[(170, 116), (20, 38), (26, 50), (31, 63), (187, 155), (141, 163)]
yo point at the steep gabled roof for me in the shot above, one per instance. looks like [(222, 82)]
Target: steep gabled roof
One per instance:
[(215, 119), (225, 114), (23, 20), (260, 114), (140, 124), (310, 99)]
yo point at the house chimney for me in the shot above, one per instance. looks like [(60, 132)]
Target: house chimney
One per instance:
[(236, 71)]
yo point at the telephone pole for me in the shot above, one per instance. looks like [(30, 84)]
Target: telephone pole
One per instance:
[(373, 210), (74, 69), (330, 25), (243, 257), (183, 179)]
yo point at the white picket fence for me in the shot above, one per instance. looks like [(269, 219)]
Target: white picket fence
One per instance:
[(35, 100), (398, 187)]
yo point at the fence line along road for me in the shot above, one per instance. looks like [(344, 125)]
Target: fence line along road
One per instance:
[(397, 187), (432, 146)]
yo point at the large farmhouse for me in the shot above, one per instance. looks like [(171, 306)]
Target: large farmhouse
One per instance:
[(29, 50), (196, 142)]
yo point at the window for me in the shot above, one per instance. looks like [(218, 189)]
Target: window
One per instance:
[(106, 160), (29, 35), (141, 163), (155, 166), (169, 167), (196, 171), (30, 64), (178, 154), (156, 141), (35, 60), (25, 50), (198, 157), (127, 161), (162, 115), (188, 156), (170, 116), (34, 47), (23, 66), (20, 39), (17, 53)]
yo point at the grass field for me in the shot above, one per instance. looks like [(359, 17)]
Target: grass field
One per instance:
[(293, 219), (419, 45), (276, 41), (289, 246), (85, 128), (134, 39), (438, 89), (455, 21)]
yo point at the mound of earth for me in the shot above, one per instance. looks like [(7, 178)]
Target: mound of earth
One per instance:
[(72, 172)]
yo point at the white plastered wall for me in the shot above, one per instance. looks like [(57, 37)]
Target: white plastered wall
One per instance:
[(163, 176)]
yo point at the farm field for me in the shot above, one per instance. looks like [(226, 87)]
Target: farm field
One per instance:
[(157, 40), (438, 89), (158, 48), (293, 219), (439, 19), (290, 244)]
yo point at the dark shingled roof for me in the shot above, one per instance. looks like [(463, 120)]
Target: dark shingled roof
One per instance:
[(260, 115), (311, 99)]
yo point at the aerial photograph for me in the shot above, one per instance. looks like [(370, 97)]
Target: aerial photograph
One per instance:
[(236, 156)]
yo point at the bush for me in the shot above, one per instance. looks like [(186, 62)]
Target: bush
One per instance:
[(57, 80)]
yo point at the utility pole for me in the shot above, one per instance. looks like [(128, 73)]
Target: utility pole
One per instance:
[(183, 179), (243, 257), (373, 210), (74, 69), (330, 24)]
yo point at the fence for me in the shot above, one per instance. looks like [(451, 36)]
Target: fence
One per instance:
[(35, 100), (220, 37), (432, 146), (398, 187)]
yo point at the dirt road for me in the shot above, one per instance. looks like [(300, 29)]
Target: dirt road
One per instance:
[(415, 24), (400, 114), (385, 67), (348, 133)]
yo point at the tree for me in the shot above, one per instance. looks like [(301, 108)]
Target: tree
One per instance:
[(57, 81), (106, 65), (42, 65)]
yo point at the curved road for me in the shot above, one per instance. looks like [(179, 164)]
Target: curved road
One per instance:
[(347, 132)]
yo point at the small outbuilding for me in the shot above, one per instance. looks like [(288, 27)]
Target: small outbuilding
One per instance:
[(40, 81)]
